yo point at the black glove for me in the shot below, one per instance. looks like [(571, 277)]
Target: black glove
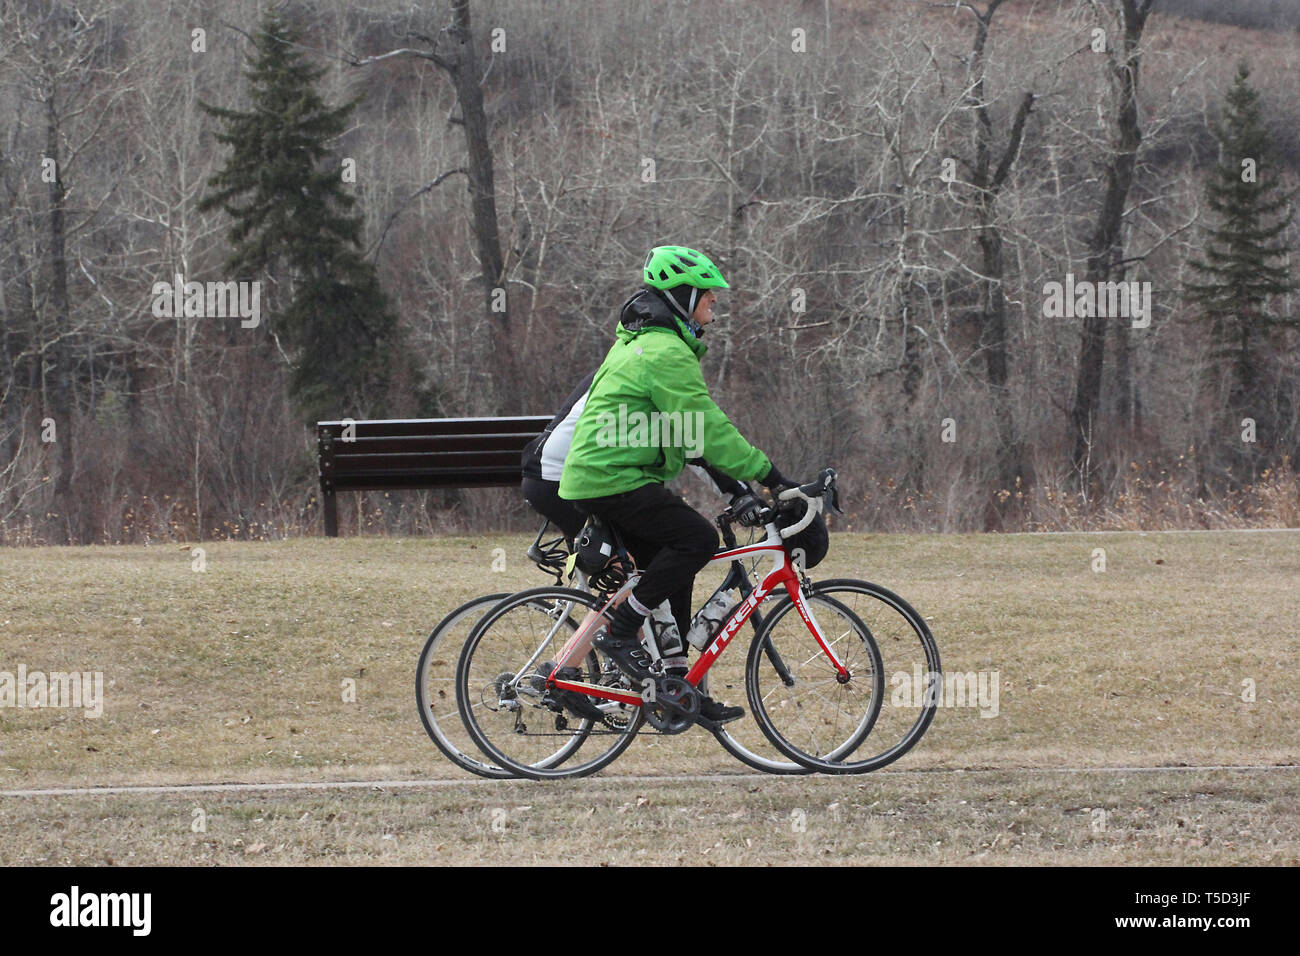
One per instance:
[(747, 508), (776, 481)]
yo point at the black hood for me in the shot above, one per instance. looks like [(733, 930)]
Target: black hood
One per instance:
[(645, 309)]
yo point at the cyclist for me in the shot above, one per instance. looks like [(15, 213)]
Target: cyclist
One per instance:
[(652, 372), (543, 460), (543, 463)]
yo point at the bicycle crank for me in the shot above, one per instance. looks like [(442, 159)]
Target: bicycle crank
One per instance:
[(674, 707)]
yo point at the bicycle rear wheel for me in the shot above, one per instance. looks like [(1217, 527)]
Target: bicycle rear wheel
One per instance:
[(435, 687), (506, 713), (812, 716), (742, 738)]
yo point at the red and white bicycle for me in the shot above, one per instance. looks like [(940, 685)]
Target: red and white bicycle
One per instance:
[(814, 676)]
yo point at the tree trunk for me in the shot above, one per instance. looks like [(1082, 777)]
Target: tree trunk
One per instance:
[(988, 182), (1124, 376), (993, 343), (59, 374), (1105, 247), (483, 205)]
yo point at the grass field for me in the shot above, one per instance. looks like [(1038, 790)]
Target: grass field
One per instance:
[(237, 673)]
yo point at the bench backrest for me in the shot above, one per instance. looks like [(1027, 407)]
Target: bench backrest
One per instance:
[(388, 454)]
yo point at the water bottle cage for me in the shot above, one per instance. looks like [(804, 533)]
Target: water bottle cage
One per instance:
[(665, 632)]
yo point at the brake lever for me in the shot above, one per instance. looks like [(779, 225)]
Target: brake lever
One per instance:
[(830, 490)]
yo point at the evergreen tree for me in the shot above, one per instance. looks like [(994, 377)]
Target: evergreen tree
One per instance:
[(294, 223), (1244, 265)]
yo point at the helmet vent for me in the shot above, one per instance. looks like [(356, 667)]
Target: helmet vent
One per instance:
[(667, 267)]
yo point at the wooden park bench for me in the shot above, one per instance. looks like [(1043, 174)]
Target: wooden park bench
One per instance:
[(415, 453)]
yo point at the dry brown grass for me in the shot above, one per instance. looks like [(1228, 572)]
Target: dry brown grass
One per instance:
[(235, 674), (1211, 818)]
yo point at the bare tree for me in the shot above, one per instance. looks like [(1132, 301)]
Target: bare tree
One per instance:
[(988, 176), (1105, 253), (453, 51), (65, 73)]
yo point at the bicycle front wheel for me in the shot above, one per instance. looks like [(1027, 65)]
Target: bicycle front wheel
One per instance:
[(809, 713), (506, 710), (911, 661)]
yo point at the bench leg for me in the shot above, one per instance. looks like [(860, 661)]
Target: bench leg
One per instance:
[(330, 507)]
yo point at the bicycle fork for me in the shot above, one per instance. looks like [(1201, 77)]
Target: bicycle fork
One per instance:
[(842, 674)]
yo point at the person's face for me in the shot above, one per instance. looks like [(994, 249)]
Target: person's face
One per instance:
[(703, 313)]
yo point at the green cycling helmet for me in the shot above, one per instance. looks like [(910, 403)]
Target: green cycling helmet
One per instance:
[(667, 267)]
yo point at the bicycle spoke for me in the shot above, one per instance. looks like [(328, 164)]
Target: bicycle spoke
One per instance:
[(820, 652), (811, 684), (832, 704)]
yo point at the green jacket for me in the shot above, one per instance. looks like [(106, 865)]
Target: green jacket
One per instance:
[(649, 410)]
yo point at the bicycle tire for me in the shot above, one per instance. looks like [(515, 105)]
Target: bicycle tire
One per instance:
[(426, 682), (754, 760), (906, 646), (490, 642), (874, 608), (829, 717), (729, 735), (430, 688)]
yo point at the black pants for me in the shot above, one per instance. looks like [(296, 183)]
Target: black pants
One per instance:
[(669, 539), (543, 497)]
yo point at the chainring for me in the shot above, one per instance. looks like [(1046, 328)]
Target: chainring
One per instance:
[(675, 706)]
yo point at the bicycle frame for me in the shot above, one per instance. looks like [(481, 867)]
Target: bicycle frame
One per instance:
[(782, 574), (579, 643)]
